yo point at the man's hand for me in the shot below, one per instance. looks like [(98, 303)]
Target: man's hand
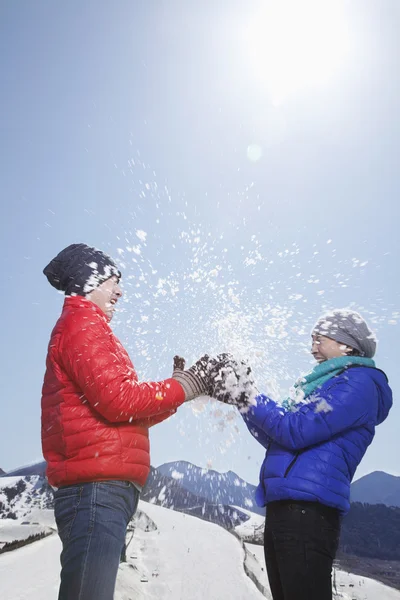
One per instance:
[(195, 381), (179, 364)]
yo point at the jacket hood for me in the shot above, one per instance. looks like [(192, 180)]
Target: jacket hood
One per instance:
[(385, 394)]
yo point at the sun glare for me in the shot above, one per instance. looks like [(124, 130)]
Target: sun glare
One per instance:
[(297, 44)]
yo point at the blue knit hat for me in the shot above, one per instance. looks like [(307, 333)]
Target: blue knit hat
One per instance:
[(79, 269)]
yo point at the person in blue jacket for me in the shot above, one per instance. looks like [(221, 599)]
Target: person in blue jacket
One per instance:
[(314, 443)]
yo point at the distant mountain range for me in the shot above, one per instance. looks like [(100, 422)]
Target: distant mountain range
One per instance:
[(165, 486), (38, 468), (168, 492), (217, 488), (229, 489), (377, 488)]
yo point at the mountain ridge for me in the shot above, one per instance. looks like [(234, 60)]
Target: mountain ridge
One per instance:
[(378, 487), (217, 488)]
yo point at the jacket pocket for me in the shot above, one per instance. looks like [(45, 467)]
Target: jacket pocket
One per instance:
[(291, 465), (66, 504), (67, 491), (117, 483)]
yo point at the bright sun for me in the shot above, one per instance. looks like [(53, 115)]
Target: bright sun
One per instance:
[(297, 44)]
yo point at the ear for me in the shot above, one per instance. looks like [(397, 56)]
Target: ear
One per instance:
[(346, 350)]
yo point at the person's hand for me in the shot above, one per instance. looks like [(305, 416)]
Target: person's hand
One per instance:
[(179, 364), (231, 381), (195, 381)]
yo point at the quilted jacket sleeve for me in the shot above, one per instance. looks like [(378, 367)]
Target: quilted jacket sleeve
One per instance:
[(155, 420), (96, 364), (258, 434), (346, 403)]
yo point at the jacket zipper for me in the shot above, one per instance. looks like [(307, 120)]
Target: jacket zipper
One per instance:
[(291, 465), (263, 465)]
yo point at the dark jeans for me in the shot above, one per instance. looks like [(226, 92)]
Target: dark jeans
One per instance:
[(300, 543), (92, 519)]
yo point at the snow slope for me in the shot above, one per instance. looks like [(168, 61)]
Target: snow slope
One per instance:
[(348, 586), (181, 558), (248, 528), (184, 558)]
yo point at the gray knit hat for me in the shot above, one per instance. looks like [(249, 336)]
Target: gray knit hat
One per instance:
[(349, 328)]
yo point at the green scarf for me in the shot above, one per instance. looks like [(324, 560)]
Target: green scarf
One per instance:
[(307, 384)]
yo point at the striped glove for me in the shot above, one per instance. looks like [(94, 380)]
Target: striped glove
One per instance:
[(195, 381)]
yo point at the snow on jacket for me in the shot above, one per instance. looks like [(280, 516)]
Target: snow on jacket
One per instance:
[(312, 452), (95, 414)]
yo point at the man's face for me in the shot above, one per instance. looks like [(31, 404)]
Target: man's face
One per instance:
[(323, 348), (106, 295)]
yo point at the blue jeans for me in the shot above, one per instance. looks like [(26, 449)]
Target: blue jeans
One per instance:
[(92, 519)]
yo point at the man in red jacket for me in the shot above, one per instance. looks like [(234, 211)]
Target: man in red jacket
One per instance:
[(95, 422)]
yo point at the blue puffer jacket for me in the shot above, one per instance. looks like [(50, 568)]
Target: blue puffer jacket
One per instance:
[(313, 452)]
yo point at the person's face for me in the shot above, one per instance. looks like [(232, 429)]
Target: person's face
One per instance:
[(106, 295), (323, 348)]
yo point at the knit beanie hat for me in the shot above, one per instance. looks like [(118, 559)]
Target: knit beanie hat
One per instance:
[(79, 269), (349, 328)]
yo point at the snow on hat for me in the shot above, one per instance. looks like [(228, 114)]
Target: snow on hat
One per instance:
[(349, 328), (79, 269)]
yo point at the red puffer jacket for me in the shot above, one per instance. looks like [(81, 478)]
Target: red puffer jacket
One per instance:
[(95, 414)]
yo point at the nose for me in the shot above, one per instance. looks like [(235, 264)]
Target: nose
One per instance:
[(314, 347), (118, 291)]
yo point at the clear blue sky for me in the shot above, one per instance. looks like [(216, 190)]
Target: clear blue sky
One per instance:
[(126, 117)]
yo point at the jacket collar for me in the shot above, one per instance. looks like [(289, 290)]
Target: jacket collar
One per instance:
[(84, 304)]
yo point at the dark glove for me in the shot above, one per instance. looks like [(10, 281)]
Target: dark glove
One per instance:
[(195, 381), (231, 381)]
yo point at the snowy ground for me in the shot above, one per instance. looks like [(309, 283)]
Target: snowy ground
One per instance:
[(10, 532), (38, 521), (349, 587), (183, 558), (247, 528)]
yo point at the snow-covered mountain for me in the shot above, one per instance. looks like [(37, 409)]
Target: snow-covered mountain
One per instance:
[(229, 489), (27, 486), (216, 488), (19, 495), (179, 556), (170, 493), (25, 510), (170, 556)]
